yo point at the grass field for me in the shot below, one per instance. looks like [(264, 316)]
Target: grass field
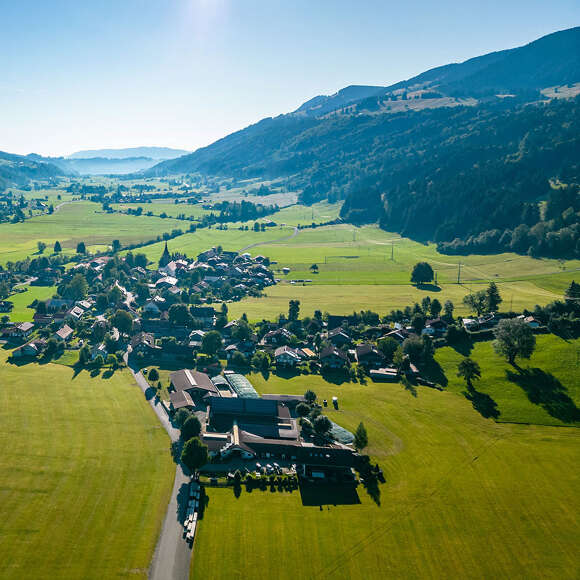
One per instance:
[(85, 475), (21, 301), (344, 299), (465, 497), (75, 222)]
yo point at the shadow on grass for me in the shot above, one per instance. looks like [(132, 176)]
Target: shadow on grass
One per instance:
[(335, 376), (482, 403), (428, 287), (463, 347), (319, 495), (546, 390), (287, 372), (433, 372)]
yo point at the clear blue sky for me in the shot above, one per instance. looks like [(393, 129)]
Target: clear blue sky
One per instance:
[(78, 74)]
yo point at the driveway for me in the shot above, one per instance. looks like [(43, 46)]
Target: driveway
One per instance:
[(172, 554)]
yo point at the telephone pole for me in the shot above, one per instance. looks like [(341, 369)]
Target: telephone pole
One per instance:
[(459, 274), (392, 251)]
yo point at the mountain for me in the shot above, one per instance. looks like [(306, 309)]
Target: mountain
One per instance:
[(284, 145), (455, 152), (157, 153), (18, 170)]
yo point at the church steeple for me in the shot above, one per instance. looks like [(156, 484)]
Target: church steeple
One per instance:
[(165, 257)]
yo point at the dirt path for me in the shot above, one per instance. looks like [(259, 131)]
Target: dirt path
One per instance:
[(284, 239)]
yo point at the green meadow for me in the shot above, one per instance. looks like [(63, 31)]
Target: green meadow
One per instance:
[(23, 300), (465, 496), (75, 222), (85, 474)]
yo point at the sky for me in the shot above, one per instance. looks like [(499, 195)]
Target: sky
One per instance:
[(182, 73)]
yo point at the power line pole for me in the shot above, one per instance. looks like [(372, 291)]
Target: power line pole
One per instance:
[(459, 274), (392, 251)]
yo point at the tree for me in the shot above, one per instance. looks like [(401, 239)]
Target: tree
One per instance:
[(302, 410), (238, 360), (153, 375), (413, 348), (181, 416), (261, 361), (123, 321), (448, 309), (99, 361), (314, 268), (179, 315), (41, 307), (115, 295), (513, 338), (322, 425), (116, 246), (422, 273), (469, 370), (112, 361), (361, 439), (293, 309), (418, 322), (57, 249), (141, 260), (476, 302), (388, 346), (492, 298), (84, 355), (428, 349), (435, 308), (572, 295), (194, 454), (211, 342), (41, 247), (102, 302), (78, 288), (191, 428), (399, 358), (241, 330), (310, 397), (81, 248)]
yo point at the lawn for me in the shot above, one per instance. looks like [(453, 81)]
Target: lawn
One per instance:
[(22, 300), (465, 497), (85, 474), (344, 299), (545, 391), (75, 222)]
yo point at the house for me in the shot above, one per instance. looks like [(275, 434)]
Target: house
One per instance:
[(286, 356), (470, 323), (31, 349), (99, 349), (334, 358), (144, 343), (192, 382), (42, 319), (277, 337), (388, 374), (368, 355), (338, 337), (205, 314), (75, 313), (532, 322), (84, 304), (64, 333), (435, 327), (166, 282), (20, 330), (151, 307), (306, 353)]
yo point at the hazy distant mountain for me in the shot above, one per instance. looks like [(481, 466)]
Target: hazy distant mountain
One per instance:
[(18, 170), (157, 153)]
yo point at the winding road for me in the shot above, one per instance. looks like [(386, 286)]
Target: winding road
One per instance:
[(172, 556)]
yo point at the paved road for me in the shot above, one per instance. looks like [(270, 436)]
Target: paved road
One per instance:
[(172, 554)]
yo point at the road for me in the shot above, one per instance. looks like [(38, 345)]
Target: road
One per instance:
[(172, 556)]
